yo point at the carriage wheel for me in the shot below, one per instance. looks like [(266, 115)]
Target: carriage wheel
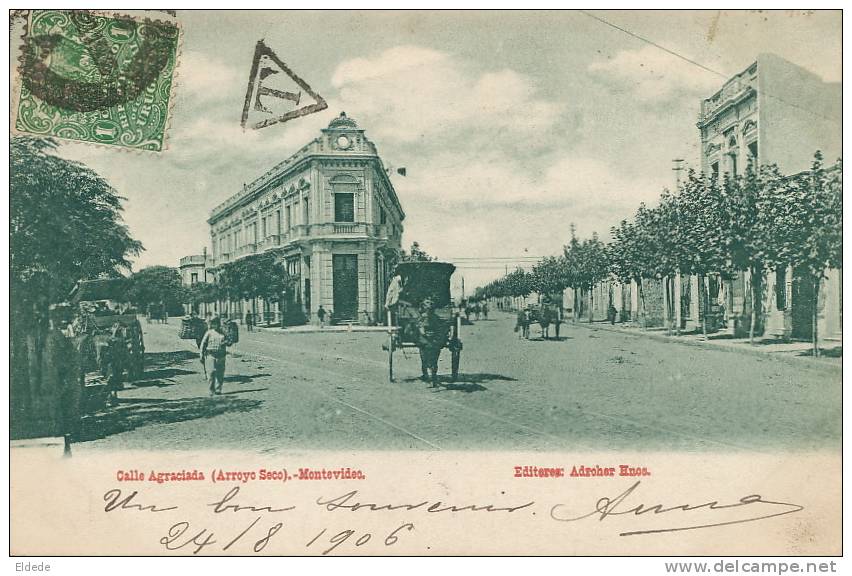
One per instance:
[(456, 357)]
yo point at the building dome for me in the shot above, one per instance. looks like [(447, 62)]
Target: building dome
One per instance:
[(342, 121)]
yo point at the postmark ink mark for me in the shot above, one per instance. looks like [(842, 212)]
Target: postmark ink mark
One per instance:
[(265, 64)]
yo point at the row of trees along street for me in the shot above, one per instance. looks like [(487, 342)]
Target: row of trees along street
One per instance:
[(265, 276), (757, 222)]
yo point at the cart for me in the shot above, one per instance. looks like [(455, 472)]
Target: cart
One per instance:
[(421, 280)]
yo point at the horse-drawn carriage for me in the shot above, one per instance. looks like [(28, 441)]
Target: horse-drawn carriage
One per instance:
[(108, 338), (422, 315)]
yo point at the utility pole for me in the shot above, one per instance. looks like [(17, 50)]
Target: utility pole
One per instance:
[(676, 287), (678, 168)]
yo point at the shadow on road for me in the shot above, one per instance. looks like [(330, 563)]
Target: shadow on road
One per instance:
[(245, 378), (163, 373), (244, 391), (468, 382), (130, 414), (160, 360), (836, 352)]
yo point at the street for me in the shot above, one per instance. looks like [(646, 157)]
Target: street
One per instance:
[(592, 390)]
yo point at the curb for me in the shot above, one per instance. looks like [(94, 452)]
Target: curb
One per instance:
[(327, 330), (709, 345)]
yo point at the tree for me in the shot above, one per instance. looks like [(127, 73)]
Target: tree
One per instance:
[(705, 237), (625, 258), (65, 225), (256, 276), (593, 267), (156, 285), (202, 293), (800, 220), (549, 275), (415, 254)]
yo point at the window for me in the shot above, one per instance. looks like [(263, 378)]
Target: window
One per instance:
[(752, 152), (780, 288), (306, 211), (344, 207), (383, 217), (714, 167), (278, 221), (732, 162), (263, 227), (193, 278), (288, 221)]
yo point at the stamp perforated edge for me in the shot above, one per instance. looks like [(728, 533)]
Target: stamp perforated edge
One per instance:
[(17, 80)]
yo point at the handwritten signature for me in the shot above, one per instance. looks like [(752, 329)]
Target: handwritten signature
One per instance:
[(606, 507)]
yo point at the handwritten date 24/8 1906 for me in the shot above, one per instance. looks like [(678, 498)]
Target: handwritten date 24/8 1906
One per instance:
[(181, 535)]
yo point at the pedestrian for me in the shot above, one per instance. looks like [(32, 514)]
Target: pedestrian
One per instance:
[(214, 344), (395, 288), (321, 315), (522, 324), (249, 321), (431, 338), (485, 310), (545, 320)]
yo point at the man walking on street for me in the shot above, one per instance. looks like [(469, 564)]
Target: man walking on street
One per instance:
[(321, 315), (249, 321), (214, 345)]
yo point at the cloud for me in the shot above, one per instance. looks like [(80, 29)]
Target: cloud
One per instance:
[(408, 94), (206, 79), (653, 75)]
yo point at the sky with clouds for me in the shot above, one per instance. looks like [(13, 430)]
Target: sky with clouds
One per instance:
[(511, 126)]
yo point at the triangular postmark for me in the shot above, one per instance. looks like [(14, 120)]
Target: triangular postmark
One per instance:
[(271, 89)]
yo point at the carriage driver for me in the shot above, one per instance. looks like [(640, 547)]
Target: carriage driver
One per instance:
[(432, 337)]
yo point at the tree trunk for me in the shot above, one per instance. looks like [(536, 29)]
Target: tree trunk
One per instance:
[(591, 305), (753, 320), (706, 298), (576, 305), (667, 284), (642, 302), (677, 290), (815, 316)]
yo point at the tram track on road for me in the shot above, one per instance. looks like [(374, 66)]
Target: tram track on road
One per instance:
[(559, 441)]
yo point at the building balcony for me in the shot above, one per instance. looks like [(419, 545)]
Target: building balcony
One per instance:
[(194, 260), (307, 232), (721, 101)]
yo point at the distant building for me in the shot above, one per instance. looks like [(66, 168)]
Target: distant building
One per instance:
[(331, 214), (773, 112), (193, 269)]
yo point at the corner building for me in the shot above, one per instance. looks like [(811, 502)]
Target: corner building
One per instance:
[(330, 213)]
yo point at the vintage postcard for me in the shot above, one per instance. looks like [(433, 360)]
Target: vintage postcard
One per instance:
[(425, 283)]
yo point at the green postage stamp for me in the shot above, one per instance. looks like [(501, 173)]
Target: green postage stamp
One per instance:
[(99, 78)]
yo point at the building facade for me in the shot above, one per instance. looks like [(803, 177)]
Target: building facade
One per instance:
[(773, 112), (329, 213), (193, 269)]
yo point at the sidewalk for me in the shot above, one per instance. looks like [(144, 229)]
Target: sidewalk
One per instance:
[(310, 329), (796, 351)]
